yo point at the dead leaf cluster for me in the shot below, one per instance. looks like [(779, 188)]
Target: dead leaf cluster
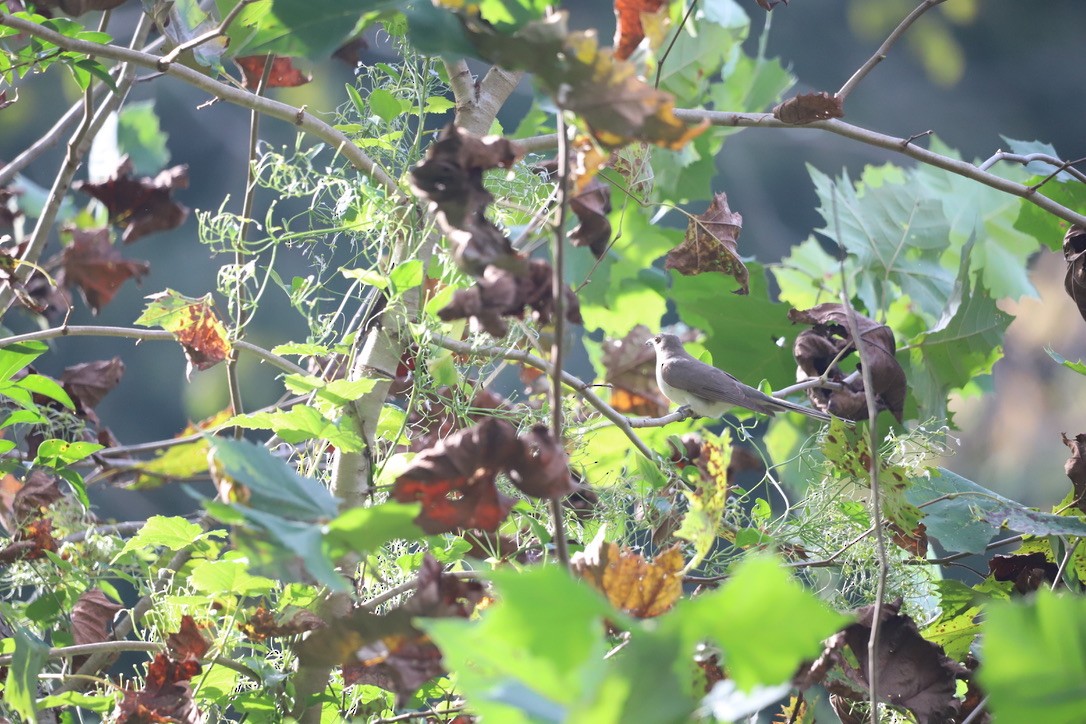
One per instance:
[(456, 480), (829, 339)]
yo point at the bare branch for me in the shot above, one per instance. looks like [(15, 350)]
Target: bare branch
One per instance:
[(884, 49), (558, 293), (160, 335), (208, 36)]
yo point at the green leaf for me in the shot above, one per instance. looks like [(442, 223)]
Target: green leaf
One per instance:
[(760, 596), (300, 423), (369, 277), (704, 518), (748, 336), (356, 100), (407, 275), (1034, 667), (47, 387), (141, 138), (276, 545), (15, 357), (967, 515), (173, 533), (962, 346), (58, 453), (220, 577), (384, 105), (363, 530), (177, 462), (300, 348), (298, 28), (21, 687), (274, 486), (91, 702), (1043, 226), (896, 231), (533, 656)]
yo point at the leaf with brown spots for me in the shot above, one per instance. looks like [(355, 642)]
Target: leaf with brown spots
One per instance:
[(808, 108), (711, 244), (167, 695), (94, 266), (283, 74), (629, 31), (193, 323), (141, 205), (632, 584)]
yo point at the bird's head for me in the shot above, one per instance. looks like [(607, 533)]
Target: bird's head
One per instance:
[(662, 342)]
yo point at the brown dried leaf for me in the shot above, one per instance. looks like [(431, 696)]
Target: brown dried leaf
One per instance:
[(603, 90), (92, 620), (628, 29), (1029, 571), (193, 323), (915, 542), (1074, 251), (501, 293), (37, 493), (913, 672), (451, 179), (631, 583), (93, 265), (591, 206), (711, 244), (770, 4), (142, 205), (816, 348), (1075, 467), (283, 74), (808, 108), (87, 383), (542, 468), (4, 102), (630, 371)]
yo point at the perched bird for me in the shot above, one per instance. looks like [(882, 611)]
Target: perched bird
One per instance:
[(708, 391)]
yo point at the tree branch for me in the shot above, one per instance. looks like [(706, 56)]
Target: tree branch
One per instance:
[(298, 117), (537, 144), (148, 334)]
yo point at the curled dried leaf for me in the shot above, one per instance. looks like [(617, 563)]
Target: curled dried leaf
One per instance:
[(817, 348), (632, 584), (1074, 251), (141, 205), (629, 31), (630, 372), (711, 244), (96, 268), (283, 74), (808, 108), (1075, 467)]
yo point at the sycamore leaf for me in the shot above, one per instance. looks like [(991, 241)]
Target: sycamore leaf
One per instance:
[(283, 74), (704, 517), (632, 584)]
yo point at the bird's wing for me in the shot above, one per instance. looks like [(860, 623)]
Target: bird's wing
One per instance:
[(707, 381)]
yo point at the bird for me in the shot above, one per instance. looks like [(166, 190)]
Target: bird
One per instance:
[(708, 391)]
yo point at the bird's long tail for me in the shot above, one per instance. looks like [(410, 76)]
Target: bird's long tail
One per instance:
[(808, 411)]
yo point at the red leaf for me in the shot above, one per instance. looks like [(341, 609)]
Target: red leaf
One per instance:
[(628, 30), (283, 73)]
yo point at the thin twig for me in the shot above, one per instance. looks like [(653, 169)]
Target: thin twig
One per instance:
[(829, 561), (884, 49), (240, 297), (876, 498), (674, 38), (977, 713), (1066, 560), (582, 388), (158, 335), (1026, 159), (558, 293), (419, 714)]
